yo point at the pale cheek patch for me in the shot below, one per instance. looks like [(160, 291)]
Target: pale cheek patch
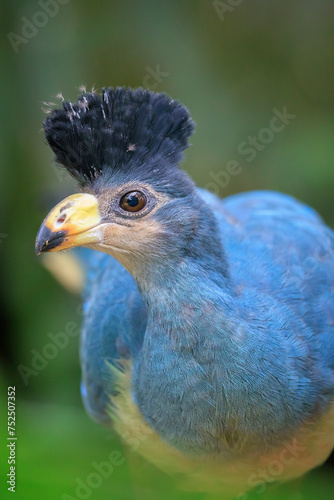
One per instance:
[(139, 237)]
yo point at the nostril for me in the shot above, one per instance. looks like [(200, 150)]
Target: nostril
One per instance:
[(61, 219)]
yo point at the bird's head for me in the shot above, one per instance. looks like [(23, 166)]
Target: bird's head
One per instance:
[(123, 148)]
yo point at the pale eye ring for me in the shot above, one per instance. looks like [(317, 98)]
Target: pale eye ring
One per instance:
[(134, 201)]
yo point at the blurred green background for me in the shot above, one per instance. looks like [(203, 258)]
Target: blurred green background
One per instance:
[(232, 63)]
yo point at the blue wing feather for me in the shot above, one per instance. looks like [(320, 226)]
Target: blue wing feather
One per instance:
[(114, 324), (291, 252)]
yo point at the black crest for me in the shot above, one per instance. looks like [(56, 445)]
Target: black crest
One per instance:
[(121, 129)]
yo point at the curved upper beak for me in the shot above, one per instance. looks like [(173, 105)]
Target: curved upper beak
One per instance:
[(73, 222)]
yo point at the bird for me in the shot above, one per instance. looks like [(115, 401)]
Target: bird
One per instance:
[(208, 324)]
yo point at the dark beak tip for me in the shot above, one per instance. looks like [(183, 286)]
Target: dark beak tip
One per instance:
[(41, 239), (38, 247), (47, 240)]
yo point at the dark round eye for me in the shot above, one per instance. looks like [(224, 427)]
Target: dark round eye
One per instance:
[(133, 202)]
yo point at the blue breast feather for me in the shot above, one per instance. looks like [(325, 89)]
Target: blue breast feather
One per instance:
[(281, 260)]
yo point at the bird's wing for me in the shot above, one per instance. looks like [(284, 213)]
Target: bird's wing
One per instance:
[(114, 323), (276, 245)]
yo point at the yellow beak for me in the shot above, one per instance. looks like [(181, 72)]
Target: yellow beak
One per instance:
[(73, 222)]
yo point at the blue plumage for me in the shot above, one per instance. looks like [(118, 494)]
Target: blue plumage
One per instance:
[(280, 319), (215, 328), (113, 327)]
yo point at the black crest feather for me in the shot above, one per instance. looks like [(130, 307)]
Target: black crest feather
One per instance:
[(123, 129)]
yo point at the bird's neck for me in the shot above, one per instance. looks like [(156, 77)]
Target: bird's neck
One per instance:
[(178, 293)]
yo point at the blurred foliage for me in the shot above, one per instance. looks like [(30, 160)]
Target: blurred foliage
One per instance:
[(231, 73)]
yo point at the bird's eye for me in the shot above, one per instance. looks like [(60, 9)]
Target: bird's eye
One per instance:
[(133, 202)]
